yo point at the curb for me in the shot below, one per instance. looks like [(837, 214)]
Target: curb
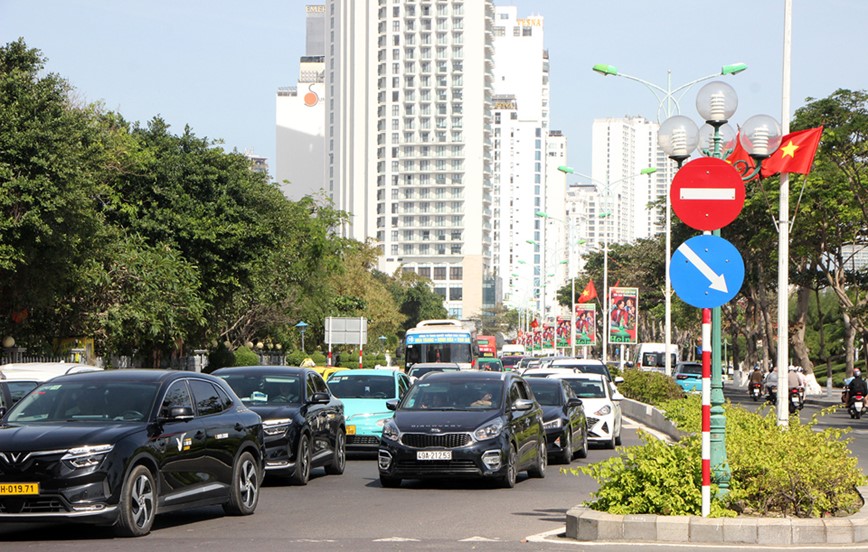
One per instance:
[(584, 524)]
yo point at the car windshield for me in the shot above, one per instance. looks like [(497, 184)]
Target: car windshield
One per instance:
[(422, 370), (547, 393), (261, 389), (119, 401), (362, 387), (454, 395), (690, 369), (587, 389)]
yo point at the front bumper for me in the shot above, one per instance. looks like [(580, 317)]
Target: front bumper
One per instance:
[(478, 459), (364, 434), (85, 502), (600, 428), (555, 440)]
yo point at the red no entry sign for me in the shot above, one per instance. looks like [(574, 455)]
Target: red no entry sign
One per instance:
[(707, 193)]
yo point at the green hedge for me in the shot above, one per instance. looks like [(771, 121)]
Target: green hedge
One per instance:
[(795, 471), (649, 387)]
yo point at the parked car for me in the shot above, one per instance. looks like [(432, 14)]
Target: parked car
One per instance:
[(303, 422), (688, 376), (464, 424), (563, 419), (364, 394), (489, 364), (602, 404), (120, 447), (421, 368)]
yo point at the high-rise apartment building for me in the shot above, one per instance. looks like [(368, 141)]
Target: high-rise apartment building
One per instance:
[(300, 113), (408, 137)]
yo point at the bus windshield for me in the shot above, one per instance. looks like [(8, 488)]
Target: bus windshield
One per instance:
[(439, 352)]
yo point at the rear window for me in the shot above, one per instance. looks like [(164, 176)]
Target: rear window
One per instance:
[(690, 369)]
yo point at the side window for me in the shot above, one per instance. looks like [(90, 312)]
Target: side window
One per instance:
[(177, 395), (319, 384), (225, 401), (514, 394), (206, 397), (402, 385), (523, 391), (3, 399), (311, 387)]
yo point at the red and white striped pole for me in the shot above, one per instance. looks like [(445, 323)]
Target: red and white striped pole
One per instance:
[(706, 412), (360, 355)]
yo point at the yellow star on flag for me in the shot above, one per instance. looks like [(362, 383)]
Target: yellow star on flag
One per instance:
[(789, 150)]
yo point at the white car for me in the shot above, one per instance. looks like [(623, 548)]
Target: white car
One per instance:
[(602, 406), (573, 365)]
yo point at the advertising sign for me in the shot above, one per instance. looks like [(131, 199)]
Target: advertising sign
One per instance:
[(563, 332), (623, 319), (586, 324)]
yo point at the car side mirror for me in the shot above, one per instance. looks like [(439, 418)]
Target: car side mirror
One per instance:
[(618, 379), (617, 397), (320, 398), (573, 402), (522, 405), (392, 404), (179, 413)]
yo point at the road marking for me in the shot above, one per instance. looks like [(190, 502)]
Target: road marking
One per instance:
[(479, 539), (396, 539)]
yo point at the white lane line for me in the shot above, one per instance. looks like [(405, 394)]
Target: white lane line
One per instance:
[(396, 539)]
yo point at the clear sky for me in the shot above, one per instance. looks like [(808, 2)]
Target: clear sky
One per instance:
[(216, 64)]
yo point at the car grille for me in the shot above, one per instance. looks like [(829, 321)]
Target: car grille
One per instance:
[(592, 422), (445, 440), (451, 467), (362, 440), (35, 505)]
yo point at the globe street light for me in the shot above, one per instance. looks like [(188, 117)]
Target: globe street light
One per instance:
[(607, 192), (667, 103), (760, 136)]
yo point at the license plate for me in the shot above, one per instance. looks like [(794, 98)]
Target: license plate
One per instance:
[(795, 399), (351, 430), (434, 455), (19, 489), (857, 405)]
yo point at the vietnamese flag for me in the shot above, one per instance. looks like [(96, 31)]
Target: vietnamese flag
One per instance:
[(741, 154), (588, 294), (796, 153)]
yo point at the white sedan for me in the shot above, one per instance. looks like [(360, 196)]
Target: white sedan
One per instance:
[(602, 403)]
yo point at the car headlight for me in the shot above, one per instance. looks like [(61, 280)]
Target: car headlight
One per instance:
[(382, 422), (390, 431), (276, 427), (557, 423), (86, 457), (603, 411), (489, 430)]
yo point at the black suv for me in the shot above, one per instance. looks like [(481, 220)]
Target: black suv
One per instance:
[(464, 424), (118, 447), (304, 423)]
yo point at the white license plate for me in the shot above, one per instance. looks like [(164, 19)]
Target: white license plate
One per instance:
[(434, 455), (795, 399), (857, 405)]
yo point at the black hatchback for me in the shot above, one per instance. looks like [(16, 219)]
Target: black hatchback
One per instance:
[(303, 421), (118, 447), (464, 424), (563, 418)]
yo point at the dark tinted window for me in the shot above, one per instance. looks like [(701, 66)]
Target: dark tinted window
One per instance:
[(362, 386), (319, 384), (690, 369), (588, 389), (547, 393), (17, 389), (176, 396), (311, 387), (206, 397)]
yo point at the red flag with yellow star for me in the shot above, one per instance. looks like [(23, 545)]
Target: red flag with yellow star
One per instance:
[(588, 294), (796, 153), (746, 164)]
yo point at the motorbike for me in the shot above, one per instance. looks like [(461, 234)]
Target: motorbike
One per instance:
[(857, 406), (795, 400), (756, 390), (772, 396)]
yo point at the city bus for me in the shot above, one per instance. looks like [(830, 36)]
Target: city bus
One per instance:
[(440, 341)]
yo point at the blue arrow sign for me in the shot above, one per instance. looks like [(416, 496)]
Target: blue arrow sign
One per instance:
[(706, 271)]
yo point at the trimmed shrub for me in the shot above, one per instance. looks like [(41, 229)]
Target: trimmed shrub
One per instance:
[(245, 357), (649, 387), (220, 358)]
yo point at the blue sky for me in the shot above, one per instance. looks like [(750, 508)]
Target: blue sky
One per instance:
[(216, 65)]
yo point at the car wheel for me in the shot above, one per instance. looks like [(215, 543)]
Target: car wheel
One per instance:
[(302, 461), (566, 455), (618, 438), (244, 494), (507, 481), (390, 482), (138, 504), (539, 469), (339, 462), (583, 452)]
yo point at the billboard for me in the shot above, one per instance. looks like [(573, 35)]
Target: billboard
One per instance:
[(623, 319), (586, 324)]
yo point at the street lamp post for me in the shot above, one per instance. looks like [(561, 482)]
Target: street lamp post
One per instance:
[(760, 135), (302, 326), (667, 103), (607, 191), (571, 273)]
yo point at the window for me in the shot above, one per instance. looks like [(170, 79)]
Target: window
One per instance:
[(439, 272), (176, 396), (455, 294), (206, 397), (425, 272)]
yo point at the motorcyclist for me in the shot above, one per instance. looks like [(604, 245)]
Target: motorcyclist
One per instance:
[(856, 386), (756, 377), (771, 380), (793, 381), (803, 381)]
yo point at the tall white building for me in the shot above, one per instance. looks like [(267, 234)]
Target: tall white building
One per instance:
[(621, 148), (408, 137), (526, 181), (300, 113)]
